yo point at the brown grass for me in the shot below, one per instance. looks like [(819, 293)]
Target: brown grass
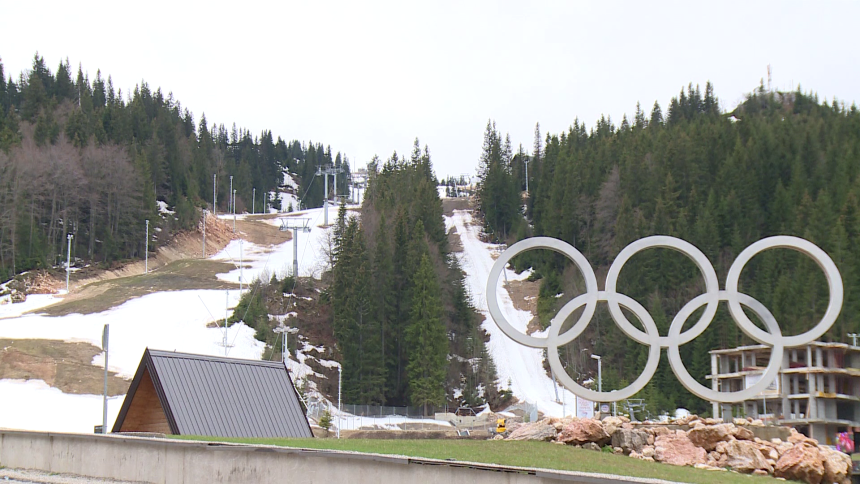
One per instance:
[(66, 366)]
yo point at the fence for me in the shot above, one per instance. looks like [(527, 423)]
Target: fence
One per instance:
[(388, 411)]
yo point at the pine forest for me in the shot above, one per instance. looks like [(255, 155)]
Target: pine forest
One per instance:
[(781, 163)]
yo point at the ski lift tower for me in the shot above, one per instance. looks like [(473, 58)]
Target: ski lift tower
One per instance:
[(329, 170), (296, 224)]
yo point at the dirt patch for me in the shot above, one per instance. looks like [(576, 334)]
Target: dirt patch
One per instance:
[(183, 245), (524, 295), (65, 366), (454, 241), (175, 276), (255, 230), (451, 204)]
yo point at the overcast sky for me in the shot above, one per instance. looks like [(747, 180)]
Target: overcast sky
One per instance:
[(368, 77)]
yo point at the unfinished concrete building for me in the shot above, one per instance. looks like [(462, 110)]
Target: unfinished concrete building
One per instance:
[(817, 390)]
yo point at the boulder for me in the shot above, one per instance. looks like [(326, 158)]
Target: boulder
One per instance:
[(648, 451), (796, 437), (658, 431), (803, 462), (744, 456), (611, 424), (707, 436), (582, 431), (533, 431), (686, 420), (677, 449), (630, 440), (837, 466), (591, 446), (743, 433)]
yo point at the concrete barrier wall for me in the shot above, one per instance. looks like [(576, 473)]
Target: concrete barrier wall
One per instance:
[(167, 461)]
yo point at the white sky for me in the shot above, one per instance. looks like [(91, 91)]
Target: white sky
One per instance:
[(368, 77)]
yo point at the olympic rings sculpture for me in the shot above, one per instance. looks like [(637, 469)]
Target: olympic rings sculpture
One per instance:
[(710, 300)]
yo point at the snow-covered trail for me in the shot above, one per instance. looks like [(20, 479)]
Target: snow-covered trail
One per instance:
[(171, 320), (520, 365)]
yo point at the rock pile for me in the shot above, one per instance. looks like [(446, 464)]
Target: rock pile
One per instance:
[(707, 444)]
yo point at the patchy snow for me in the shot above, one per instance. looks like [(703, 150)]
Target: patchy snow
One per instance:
[(278, 259), (351, 422), (8, 309), (520, 365), (173, 320), (33, 405), (162, 208), (287, 199), (290, 181)]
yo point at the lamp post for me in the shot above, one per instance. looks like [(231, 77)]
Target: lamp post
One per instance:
[(68, 261), (599, 376), (339, 406), (146, 251)]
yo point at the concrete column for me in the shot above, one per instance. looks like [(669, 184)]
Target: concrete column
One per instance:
[(812, 406), (784, 385), (715, 385)]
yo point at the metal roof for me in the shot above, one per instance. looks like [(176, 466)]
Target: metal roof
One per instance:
[(221, 397)]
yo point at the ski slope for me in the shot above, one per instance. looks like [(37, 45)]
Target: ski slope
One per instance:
[(172, 320), (520, 365)]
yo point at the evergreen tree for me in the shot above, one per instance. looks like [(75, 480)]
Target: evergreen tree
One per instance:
[(427, 340)]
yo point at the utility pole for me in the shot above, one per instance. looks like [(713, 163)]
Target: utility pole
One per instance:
[(215, 194), (296, 224), (241, 268), (105, 336), (204, 233), (226, 310), (68, 261), (254, 202), (230, 204), (146, 251), (234, 211)]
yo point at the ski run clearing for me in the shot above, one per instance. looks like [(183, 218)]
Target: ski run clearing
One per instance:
[(181, 321)]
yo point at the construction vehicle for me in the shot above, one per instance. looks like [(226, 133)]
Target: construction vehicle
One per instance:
[(501, 427)]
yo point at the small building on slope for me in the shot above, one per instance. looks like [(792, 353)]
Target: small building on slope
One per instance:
[(185, 394)]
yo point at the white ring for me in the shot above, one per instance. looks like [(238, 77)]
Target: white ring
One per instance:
[(651, 337), (542, 243), (614, 395), (706, 393), (834, 281), (712, 284)]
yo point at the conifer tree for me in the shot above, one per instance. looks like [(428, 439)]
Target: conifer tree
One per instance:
[(428, 344)]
